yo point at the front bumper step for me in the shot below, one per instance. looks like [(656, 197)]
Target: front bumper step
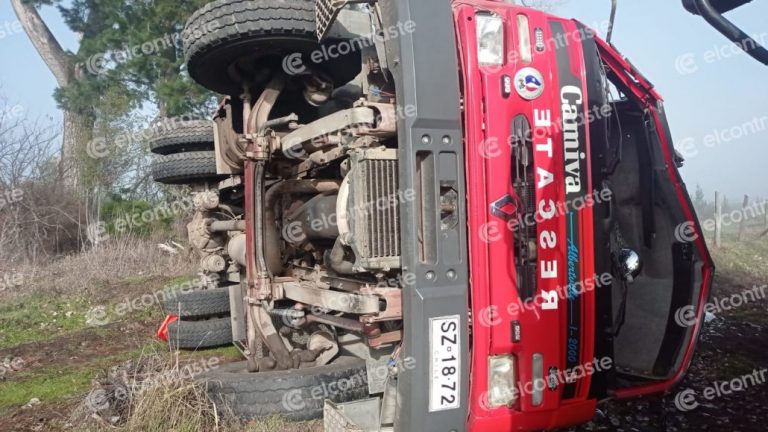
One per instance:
[(356, 416)]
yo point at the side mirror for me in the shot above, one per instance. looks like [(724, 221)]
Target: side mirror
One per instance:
[(712, 11)]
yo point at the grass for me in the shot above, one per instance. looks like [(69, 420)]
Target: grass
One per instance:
[(754, 316), (44, 323), (158, 395), (181, 280), (178, 406), (745, 257), (131, 261), (137, 280), (50, 386), (280, 424), (35, 318), (57, 384), (226, 354), (54, 385), (735, 364)]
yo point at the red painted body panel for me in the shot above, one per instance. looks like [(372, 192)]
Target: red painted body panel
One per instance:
[(495, 300)]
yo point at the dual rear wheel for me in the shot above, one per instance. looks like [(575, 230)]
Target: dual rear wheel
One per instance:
[(184, 155)]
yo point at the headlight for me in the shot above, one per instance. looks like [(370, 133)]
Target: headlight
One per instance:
[(490, 39), (502, 382), (537, 396), (524, 36)]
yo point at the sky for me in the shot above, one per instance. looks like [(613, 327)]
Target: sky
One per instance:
[(24, 78), (716, 96)]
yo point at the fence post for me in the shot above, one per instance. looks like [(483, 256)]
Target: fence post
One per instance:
[(743, 224), (718, 218), (764, 209)]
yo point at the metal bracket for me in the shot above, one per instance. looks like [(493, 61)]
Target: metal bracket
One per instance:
[(226, 141), (326, 12), (333, 300), (322, 132), (394, 299)]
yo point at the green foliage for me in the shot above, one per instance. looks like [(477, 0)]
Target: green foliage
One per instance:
[(127, 70), (134, 217), (132, 48)]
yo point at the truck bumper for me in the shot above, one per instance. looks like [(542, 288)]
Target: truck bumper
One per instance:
[(434, 247)]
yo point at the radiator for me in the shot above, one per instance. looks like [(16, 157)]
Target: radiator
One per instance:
[(373, 212)]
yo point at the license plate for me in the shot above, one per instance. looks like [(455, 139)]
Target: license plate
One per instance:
[(445, 363)]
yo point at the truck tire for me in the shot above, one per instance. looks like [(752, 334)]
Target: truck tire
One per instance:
[(197, 304), (200, 334), (227, 40), (290, 394), (185, 168), (187, 137)]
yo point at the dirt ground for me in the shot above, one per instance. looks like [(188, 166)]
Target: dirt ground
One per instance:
[(733, 344)]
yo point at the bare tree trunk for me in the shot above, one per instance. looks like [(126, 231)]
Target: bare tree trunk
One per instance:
[(764, 210), (46, 44), (78, 131), (76, 127)]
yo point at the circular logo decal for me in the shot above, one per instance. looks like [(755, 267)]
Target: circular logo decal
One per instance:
[(529, 83)]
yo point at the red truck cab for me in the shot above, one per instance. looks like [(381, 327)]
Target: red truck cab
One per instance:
[(572, 172)]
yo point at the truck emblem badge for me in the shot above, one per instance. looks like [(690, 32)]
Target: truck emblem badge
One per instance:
[(505, 207), (529, 83)]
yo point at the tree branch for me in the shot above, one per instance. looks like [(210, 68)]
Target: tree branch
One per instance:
[(46, 44)]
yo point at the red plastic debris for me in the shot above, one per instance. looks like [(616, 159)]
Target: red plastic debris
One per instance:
[(162, 332)]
